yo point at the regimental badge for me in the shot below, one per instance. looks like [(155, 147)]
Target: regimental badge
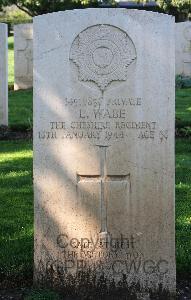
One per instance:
[(102, 54)]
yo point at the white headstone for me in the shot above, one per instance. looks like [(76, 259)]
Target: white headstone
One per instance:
[(23, 56), (104, 151), (183, 48), (3, 75)]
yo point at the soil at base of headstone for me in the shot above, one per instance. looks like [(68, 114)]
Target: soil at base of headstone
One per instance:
[(10, 134), (183, 292)]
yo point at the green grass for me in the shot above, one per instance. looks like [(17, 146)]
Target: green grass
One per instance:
[(42, 295), (20, 109), (183, 205), (16, 211), (11, 61), (183, 107)]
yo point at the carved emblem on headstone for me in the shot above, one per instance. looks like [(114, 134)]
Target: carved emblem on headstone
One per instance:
[(102, 54)]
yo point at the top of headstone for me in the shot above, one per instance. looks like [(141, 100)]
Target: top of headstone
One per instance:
[(25, 30), (3, 25), (110, 11), (23, 25), (183, 23)]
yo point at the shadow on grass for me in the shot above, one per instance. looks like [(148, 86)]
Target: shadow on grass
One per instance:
[(16, 269), (183, 107), (183, 206), (42, 295), (21, 110), (11, 44), (16, 214)]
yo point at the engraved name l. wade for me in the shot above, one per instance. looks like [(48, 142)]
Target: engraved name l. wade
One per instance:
[(102, 54)]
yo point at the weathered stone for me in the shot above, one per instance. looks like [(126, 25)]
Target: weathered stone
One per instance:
[(104, 151), (183, 48), (3, 75), (23, 56)]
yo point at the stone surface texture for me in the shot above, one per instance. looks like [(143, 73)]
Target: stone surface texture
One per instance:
[(23, 56), (3, 75), (104, 150), (183, 48)]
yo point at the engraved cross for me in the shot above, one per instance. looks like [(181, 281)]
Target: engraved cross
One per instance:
[(102, 179)]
